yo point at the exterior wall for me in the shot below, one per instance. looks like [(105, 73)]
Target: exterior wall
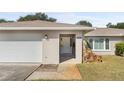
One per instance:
[(112, 42), (31, 46), (51, 46), (20, 35), (20, 46)]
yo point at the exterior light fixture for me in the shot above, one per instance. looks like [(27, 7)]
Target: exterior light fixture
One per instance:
[(46, 36)]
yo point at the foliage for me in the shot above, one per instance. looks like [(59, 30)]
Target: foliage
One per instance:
[(51, 19), (4, 21), (118, 25), (86, 43), (120, 49), (37, 16), (85, 23), (109, 25)]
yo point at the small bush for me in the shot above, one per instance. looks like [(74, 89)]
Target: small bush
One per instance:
[(120, 49)]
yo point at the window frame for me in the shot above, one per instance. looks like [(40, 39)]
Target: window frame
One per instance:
[(104, 42)]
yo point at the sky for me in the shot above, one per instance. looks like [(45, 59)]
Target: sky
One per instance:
[(98, 19)]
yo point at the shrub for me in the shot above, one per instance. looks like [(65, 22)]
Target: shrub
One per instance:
[(120, 49)]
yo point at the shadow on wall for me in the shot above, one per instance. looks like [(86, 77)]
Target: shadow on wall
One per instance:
[(65, 57)]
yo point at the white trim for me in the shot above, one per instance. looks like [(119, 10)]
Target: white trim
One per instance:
[(101, 50), (104, 44), (93, 43), (46, 28), (111, 35)]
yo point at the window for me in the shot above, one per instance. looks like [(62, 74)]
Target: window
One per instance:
[(91, 43), (106, 44), (99, 44)]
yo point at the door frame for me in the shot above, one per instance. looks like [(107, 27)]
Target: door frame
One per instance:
[(66, 35)]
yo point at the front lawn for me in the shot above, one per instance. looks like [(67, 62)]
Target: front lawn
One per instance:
[(112, 68)]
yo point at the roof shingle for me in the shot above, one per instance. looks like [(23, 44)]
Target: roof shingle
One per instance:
[(37, 23), (106, 32), (41, 25)]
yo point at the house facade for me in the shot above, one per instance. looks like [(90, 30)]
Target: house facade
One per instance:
[(41, 42), (103, 40)]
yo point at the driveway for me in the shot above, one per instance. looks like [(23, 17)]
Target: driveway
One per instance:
[(16, 71)]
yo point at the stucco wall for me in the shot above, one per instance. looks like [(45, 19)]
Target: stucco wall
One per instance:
[(31, 46), (113, 41), (20, 35)]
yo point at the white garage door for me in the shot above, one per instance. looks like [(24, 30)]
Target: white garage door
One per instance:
[(20, 51), (20, 46)]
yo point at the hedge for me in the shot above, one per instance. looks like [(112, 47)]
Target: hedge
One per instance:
[(120, 49)]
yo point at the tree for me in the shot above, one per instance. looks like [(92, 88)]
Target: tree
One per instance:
[(37, 16), (4, 21), (52, 19), (118, 25), (109, 25), (85, 23)]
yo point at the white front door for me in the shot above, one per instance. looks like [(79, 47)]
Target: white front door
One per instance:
[(65, 45)]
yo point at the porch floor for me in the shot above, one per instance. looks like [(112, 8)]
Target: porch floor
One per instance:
[(66, 56), (65, 71)]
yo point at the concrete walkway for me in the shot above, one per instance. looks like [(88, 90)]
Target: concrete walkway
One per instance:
[(64, 71)]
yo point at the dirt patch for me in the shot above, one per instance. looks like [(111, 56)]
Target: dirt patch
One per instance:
[(69, 72)]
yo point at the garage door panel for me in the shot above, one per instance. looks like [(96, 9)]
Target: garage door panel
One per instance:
[(21, 51)]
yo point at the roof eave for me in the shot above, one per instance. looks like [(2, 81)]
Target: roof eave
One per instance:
[(102, 35), (46, 28)]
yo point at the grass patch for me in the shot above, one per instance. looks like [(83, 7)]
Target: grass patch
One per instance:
[(112, 68)]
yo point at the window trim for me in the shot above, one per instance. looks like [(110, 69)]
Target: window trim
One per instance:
[(103, 42)]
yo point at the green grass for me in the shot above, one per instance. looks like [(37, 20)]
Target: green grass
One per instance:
[(111, 69)]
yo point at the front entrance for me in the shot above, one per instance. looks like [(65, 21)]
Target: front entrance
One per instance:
[(67, 47)]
